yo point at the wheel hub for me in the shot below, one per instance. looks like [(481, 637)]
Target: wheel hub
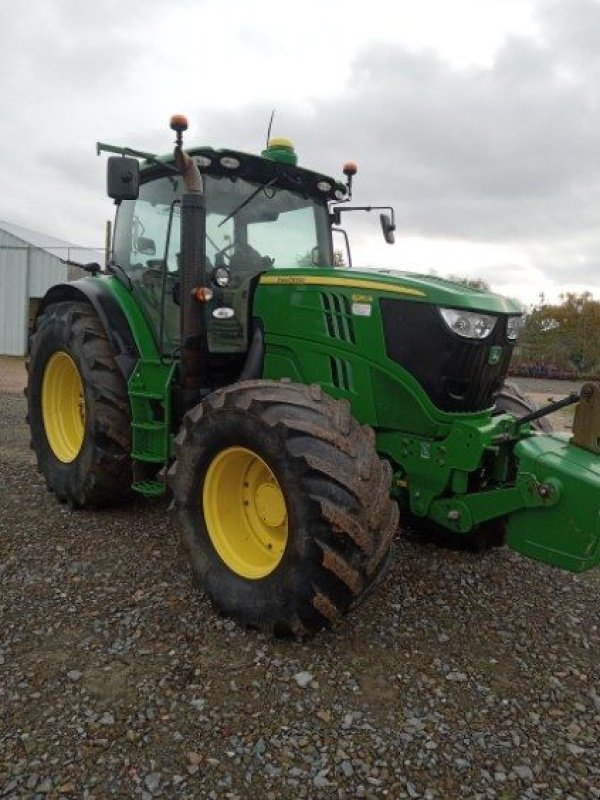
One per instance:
[(270, 505), (63, 406), (245, 512)]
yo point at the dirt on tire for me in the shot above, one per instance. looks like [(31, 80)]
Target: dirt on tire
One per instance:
[(101, 472), (341, 518)]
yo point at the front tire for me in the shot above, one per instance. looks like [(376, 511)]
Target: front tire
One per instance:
[(514, 400), (78, 408), (284, 505)]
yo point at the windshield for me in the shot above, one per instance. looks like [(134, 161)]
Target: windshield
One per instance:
[(287, 228)]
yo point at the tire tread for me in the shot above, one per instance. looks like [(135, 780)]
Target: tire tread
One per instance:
[(348, 486)]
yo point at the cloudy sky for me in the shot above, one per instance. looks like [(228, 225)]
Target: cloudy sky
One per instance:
[(478, 120)]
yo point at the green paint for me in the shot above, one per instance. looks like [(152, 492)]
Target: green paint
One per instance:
[(437, 454), (304, 332), (140, 328), (495, 355), (568, 533), (393, 283), (149, 388)]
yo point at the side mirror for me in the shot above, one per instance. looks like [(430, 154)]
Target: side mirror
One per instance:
[(388, 227), (122, 178)]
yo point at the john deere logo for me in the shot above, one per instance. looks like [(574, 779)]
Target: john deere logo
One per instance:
[(495, 355)]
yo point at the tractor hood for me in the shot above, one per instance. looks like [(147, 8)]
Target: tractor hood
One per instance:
[(408, 285)]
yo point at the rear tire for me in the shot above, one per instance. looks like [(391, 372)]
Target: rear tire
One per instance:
[(285, 468), (78, 408)]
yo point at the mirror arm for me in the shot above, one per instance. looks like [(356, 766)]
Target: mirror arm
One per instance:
[(336, 211), (339, 209), (128, 151)]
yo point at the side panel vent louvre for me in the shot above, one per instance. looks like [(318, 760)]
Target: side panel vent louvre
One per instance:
[(341, 373), (338, 319)]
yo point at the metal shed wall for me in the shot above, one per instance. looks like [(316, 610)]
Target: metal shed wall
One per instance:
[(25, 272), (14, 302)]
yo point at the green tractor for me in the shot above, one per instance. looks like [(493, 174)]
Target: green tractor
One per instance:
[(293, 407)]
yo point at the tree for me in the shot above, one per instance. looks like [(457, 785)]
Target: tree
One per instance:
[(471, 283), (307, 260), (565, 335)]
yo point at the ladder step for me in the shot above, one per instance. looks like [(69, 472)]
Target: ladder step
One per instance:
[(149, 488), (146, 395), (149, 426), (148, 458), (150, 394)]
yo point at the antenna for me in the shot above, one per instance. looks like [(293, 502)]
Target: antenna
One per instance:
[(270, 126)]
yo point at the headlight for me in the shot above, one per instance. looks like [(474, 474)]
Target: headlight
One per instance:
[(221, 276), (229, 162), (513, 326), (470, 324)]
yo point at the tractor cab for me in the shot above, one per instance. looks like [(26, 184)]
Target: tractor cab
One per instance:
[(261, 213)]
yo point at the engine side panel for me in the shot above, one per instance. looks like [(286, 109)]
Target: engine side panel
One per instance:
[(325, 329)]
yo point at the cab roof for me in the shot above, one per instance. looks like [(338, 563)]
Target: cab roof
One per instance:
[(235, 163)]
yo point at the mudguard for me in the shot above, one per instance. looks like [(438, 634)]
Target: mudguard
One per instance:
[(96, 292)]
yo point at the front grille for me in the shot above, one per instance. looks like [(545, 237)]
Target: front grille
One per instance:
[(454, 372)]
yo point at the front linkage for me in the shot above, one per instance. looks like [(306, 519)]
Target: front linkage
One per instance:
[(500, 469)]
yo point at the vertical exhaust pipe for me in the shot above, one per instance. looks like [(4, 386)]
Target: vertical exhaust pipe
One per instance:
[(194, 343)]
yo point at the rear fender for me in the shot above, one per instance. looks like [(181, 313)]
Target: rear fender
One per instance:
[(111, 315)]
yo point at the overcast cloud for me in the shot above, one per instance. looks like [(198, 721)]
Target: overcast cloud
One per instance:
[(481, 127)]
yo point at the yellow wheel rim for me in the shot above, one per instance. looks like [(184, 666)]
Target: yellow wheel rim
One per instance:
[(245, 512), (63, 407)]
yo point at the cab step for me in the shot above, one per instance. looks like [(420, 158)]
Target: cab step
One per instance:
[(149, 488)]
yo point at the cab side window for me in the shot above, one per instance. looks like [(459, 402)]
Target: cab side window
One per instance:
[(146, 247)]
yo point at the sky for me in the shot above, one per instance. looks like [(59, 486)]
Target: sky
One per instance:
[(477, 120)]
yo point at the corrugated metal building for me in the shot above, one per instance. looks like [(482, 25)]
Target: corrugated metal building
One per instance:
[(30, 263)]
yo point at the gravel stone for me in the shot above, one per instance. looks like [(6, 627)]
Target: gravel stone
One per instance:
[(152, 782), (575, 750), (460, 677), (303, 679), (117, 679), (523, 772)]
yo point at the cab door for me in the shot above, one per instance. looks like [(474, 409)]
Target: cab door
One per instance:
[(147, 248)]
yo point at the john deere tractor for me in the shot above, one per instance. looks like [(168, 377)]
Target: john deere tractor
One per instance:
[(292, 407)]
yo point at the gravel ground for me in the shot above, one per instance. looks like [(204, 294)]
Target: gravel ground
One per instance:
[(461, 676), (13, 375)]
